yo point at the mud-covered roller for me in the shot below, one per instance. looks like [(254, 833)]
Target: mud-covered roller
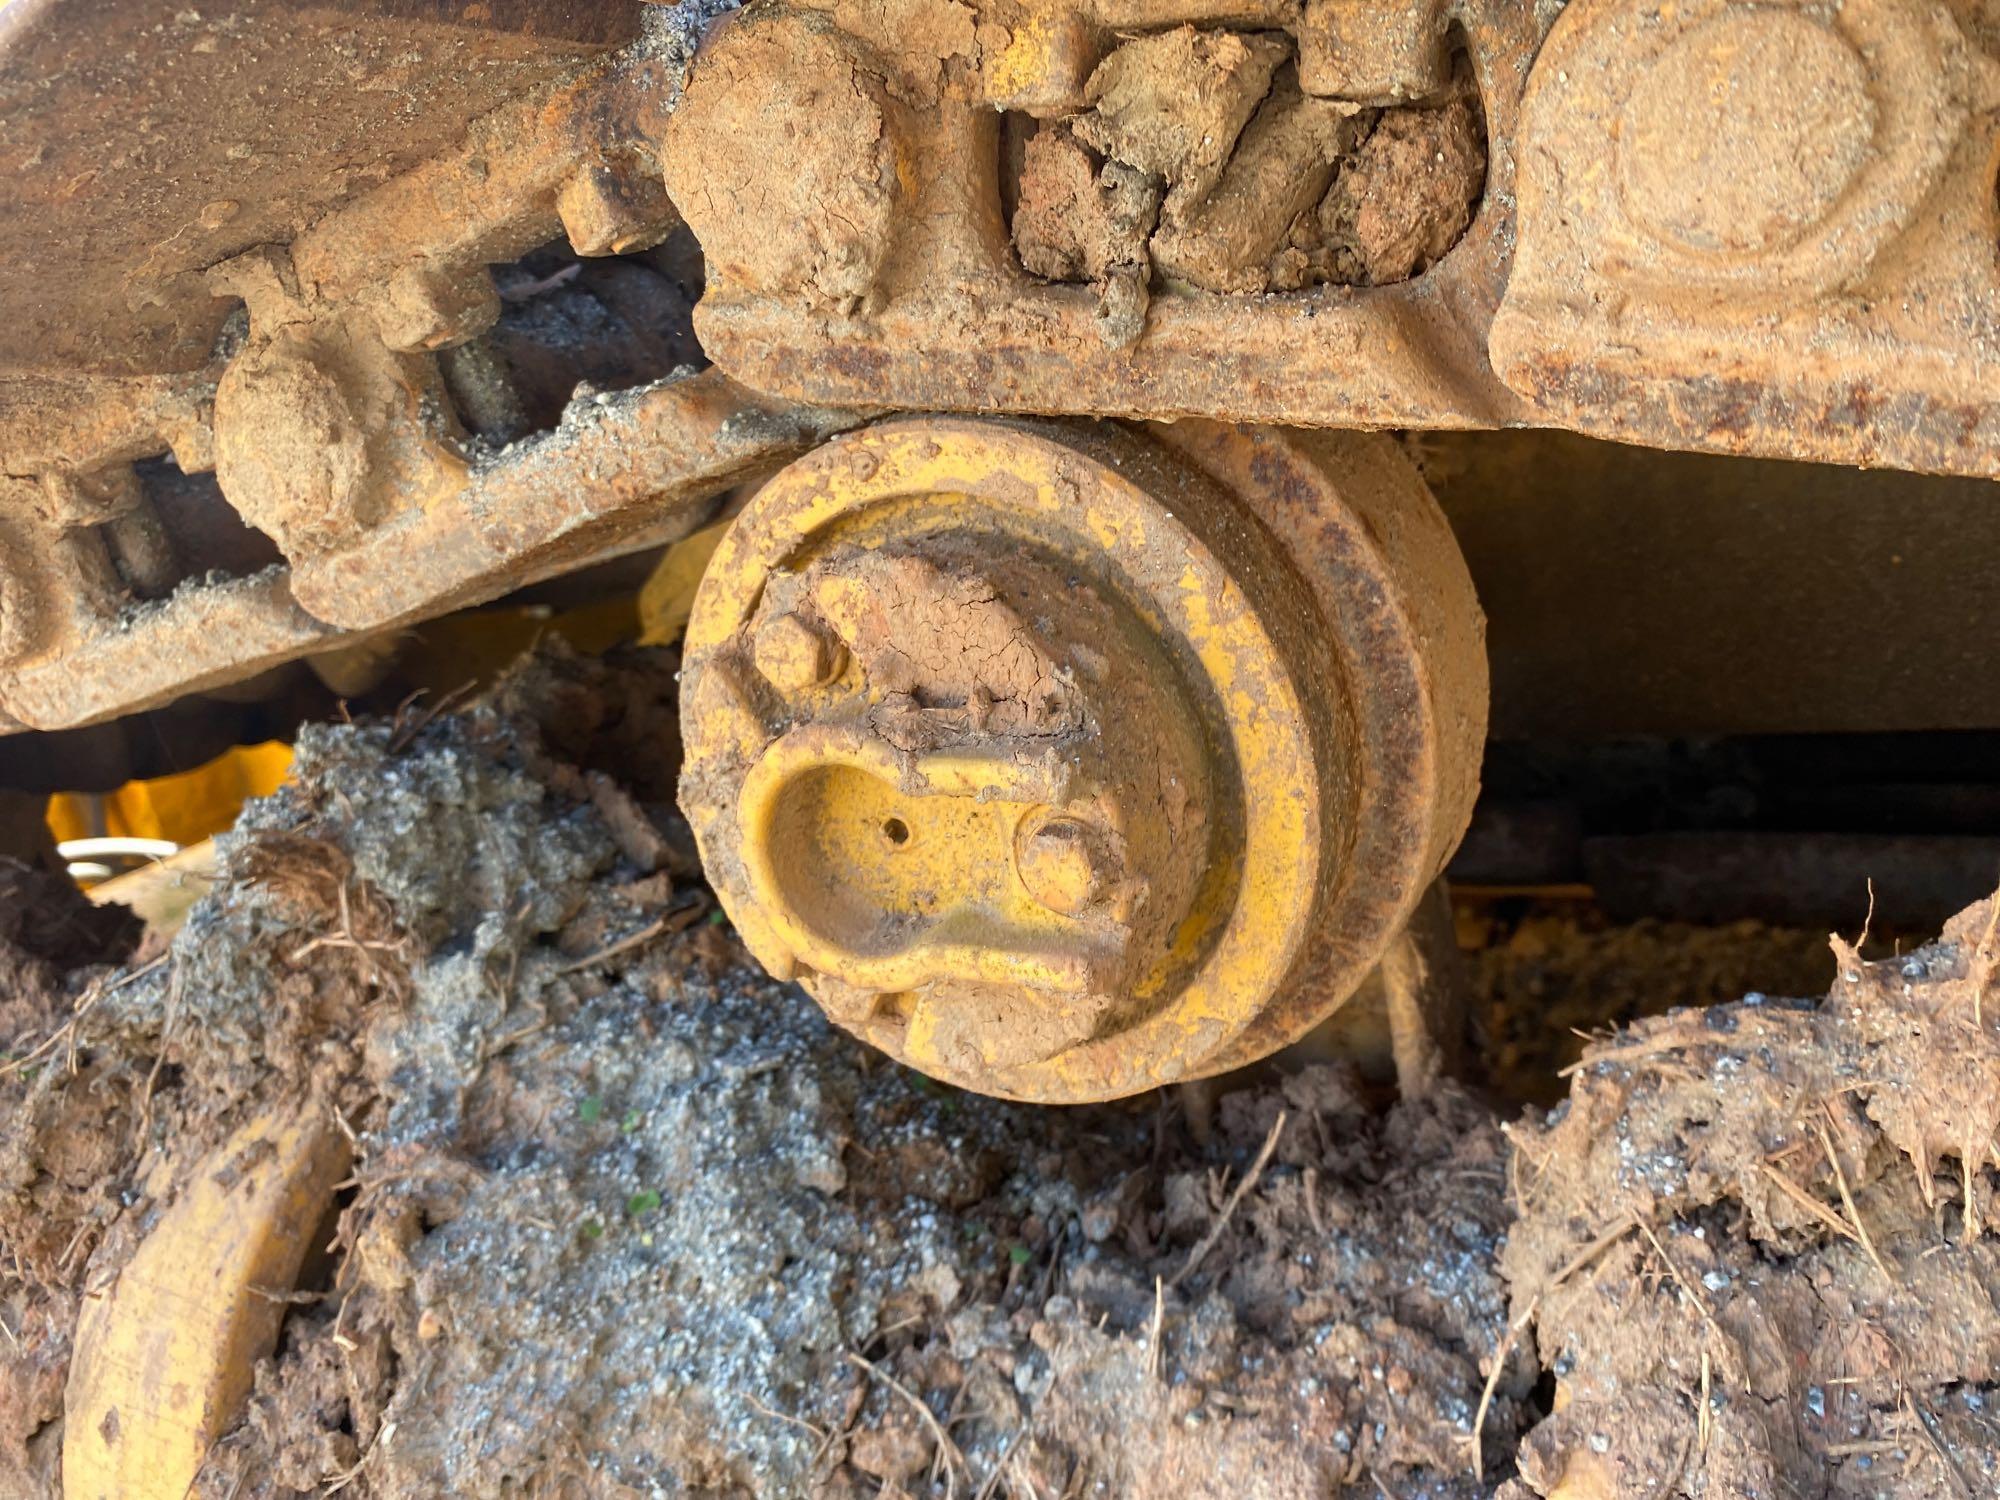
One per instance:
[(1065, 760)]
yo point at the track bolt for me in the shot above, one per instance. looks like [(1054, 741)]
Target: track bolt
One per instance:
[(1065, 865), (608, 212), (795, 655), (431, 307)]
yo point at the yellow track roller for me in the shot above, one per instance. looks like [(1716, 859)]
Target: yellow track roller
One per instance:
[(164, 1360), (1061, 760)]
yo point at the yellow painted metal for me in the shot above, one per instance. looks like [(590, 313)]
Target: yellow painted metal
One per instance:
[(164, 1359), (1028, 750), (667, 599), (185, 807)]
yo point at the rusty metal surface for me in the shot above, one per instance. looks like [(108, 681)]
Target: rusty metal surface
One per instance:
[(1687, 272), (1763, 229), (930, 306), (201, 639), (1409, 643), (626, 472), (1747, 228), (143, 141), (632, 471), (324, 410)]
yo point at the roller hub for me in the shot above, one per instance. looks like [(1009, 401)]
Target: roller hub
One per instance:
[(1031, 752)]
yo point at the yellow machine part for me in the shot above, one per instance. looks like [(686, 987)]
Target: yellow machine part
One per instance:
[(441, 656), (183, 808), (974, 766), (1052, 767), (667, 600), (477, 646), (164, 1360)]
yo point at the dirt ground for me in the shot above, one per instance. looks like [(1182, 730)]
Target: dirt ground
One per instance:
[(1546, 976), (627, 1218)]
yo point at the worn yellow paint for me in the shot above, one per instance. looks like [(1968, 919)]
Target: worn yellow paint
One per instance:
[(1028, 57), (164, 1359), (894, 874), (793, 830), (667, 599)]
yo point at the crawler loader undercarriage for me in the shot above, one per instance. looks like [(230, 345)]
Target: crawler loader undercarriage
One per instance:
[(1087, 697)]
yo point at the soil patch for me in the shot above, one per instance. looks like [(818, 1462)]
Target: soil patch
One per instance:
[(1547, 977), (55, 949), (1757, 1243), (629, 1218)]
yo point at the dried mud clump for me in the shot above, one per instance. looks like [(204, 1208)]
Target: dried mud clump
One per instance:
[(770, 217), (1077, 221), (1199, 162), (1758, 1245), (1172, 105), (1283, 164), (1399, 203), (1545, 980)]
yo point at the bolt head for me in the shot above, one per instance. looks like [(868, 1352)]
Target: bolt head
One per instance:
[(1066, 865), (606, 212), (795, 655), (430, 307)]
